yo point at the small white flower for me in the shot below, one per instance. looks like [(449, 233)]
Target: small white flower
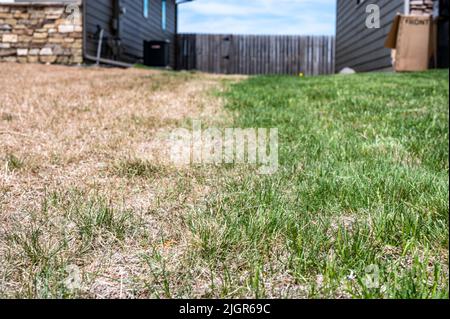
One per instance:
[(352, 276)]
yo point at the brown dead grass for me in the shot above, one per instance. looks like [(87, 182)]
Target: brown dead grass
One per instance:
[(65, 129)]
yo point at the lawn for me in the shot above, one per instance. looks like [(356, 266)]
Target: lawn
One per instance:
[(361, 196), (90, 207)]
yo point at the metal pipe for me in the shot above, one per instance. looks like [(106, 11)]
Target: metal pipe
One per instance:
[(99, 47), (108, 61), (89, 57)]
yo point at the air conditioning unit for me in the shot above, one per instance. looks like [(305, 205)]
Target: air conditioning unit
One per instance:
[(157, 53)]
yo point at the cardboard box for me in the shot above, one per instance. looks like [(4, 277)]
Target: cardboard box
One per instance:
[(411, 38)]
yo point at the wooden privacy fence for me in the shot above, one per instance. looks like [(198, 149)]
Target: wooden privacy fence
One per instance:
[(255, 54)]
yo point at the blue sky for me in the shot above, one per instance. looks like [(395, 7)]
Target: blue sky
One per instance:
[(313, 17)]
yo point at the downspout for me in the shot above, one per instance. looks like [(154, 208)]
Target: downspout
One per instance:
[(176, 37), (177, 4), (407, 7), (334, 67), (92, 58)]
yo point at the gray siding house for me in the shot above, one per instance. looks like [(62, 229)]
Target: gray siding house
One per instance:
[(126, 24), (45, 30), (362, 48)]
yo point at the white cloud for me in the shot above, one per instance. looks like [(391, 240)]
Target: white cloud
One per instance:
[(259, 16)]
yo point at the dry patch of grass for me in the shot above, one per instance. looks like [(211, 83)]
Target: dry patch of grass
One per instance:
[(86, 192)]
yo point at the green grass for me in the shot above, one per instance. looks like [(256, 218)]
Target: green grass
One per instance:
[(132, 168), (363, 181), (6, 117), (13, 162)]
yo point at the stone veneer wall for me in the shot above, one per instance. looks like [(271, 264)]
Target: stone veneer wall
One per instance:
[(421, 7), (44, 33)]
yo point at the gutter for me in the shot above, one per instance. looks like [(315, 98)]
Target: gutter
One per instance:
[(177, 4), (92, 58), (41, 3)]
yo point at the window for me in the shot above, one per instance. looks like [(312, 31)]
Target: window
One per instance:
[(164, 14), (145, 8)]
